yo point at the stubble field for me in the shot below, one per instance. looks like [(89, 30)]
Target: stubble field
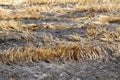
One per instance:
[(45, 33)]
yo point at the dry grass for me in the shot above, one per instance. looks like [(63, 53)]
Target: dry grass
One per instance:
[(51, 1), (74, 37), (111, 19), (27, 13), (85, 5), (118, 30), (96, 8), (13, 25), (111, 36), (58, 53), (35, 11), (97, 31), (10, 25), (57, 26), (10, 21), (71, 1)]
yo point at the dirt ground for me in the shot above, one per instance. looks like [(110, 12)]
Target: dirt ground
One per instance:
[(55, 71)]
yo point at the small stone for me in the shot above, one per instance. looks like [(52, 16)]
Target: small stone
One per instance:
[(78, 79)]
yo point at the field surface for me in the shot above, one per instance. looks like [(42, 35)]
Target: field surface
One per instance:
[(60, 40)]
